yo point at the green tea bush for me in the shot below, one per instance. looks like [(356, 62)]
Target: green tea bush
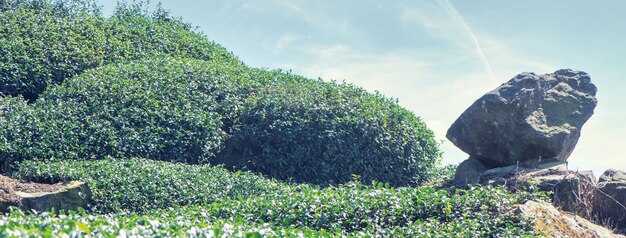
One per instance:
[(326, 132), (162, 108), (194, 221), (442, 175), (169, 223), (277, 123), (477, 212), (180, 196), (44, 42), (140, 185)]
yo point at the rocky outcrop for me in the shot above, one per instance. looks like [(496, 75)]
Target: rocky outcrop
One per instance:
[(551, 222), (530, 118), (610, 199), (69, 197), (569, 190), (603, 202), (521, 134)]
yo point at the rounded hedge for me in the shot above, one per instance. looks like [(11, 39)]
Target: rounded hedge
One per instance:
[(282, 125), (324, 133), (124, 90), (44, 42), (163, 109)]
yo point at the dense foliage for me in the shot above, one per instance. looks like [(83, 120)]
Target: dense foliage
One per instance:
[(140, 185), (194, 222), (158, 190), (313, 131), (46, 42), (163, 109), (127, 88), (168, 223), (479, 212), (172, 109)]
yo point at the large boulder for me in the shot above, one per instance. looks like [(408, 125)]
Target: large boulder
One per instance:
[(531, 117), (610, 199)]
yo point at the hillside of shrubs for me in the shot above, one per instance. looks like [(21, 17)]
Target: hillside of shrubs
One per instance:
[(175, 136)]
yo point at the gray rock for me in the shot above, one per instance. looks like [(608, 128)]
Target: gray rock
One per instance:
[(613, 176), (553, 223), (531, 117), (502, 172), (570, 191), (468, 172), (610, 198), (72, 196)]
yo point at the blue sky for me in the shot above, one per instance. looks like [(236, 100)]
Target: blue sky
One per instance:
[(435, 56)]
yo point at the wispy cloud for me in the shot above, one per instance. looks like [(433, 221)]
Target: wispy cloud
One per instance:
[(302, 10), (297, 10), (285, 40), (436, 83), (456, 17)]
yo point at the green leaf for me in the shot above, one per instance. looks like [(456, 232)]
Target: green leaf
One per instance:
[(83, 227)]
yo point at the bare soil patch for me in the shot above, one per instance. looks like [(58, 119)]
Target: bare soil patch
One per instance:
[(8, 187)]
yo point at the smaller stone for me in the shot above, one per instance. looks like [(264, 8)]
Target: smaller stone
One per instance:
[(72, 196), (612, 175), (610, 198), (554, 223), (502, 172), (571, 192), (468, 172)]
